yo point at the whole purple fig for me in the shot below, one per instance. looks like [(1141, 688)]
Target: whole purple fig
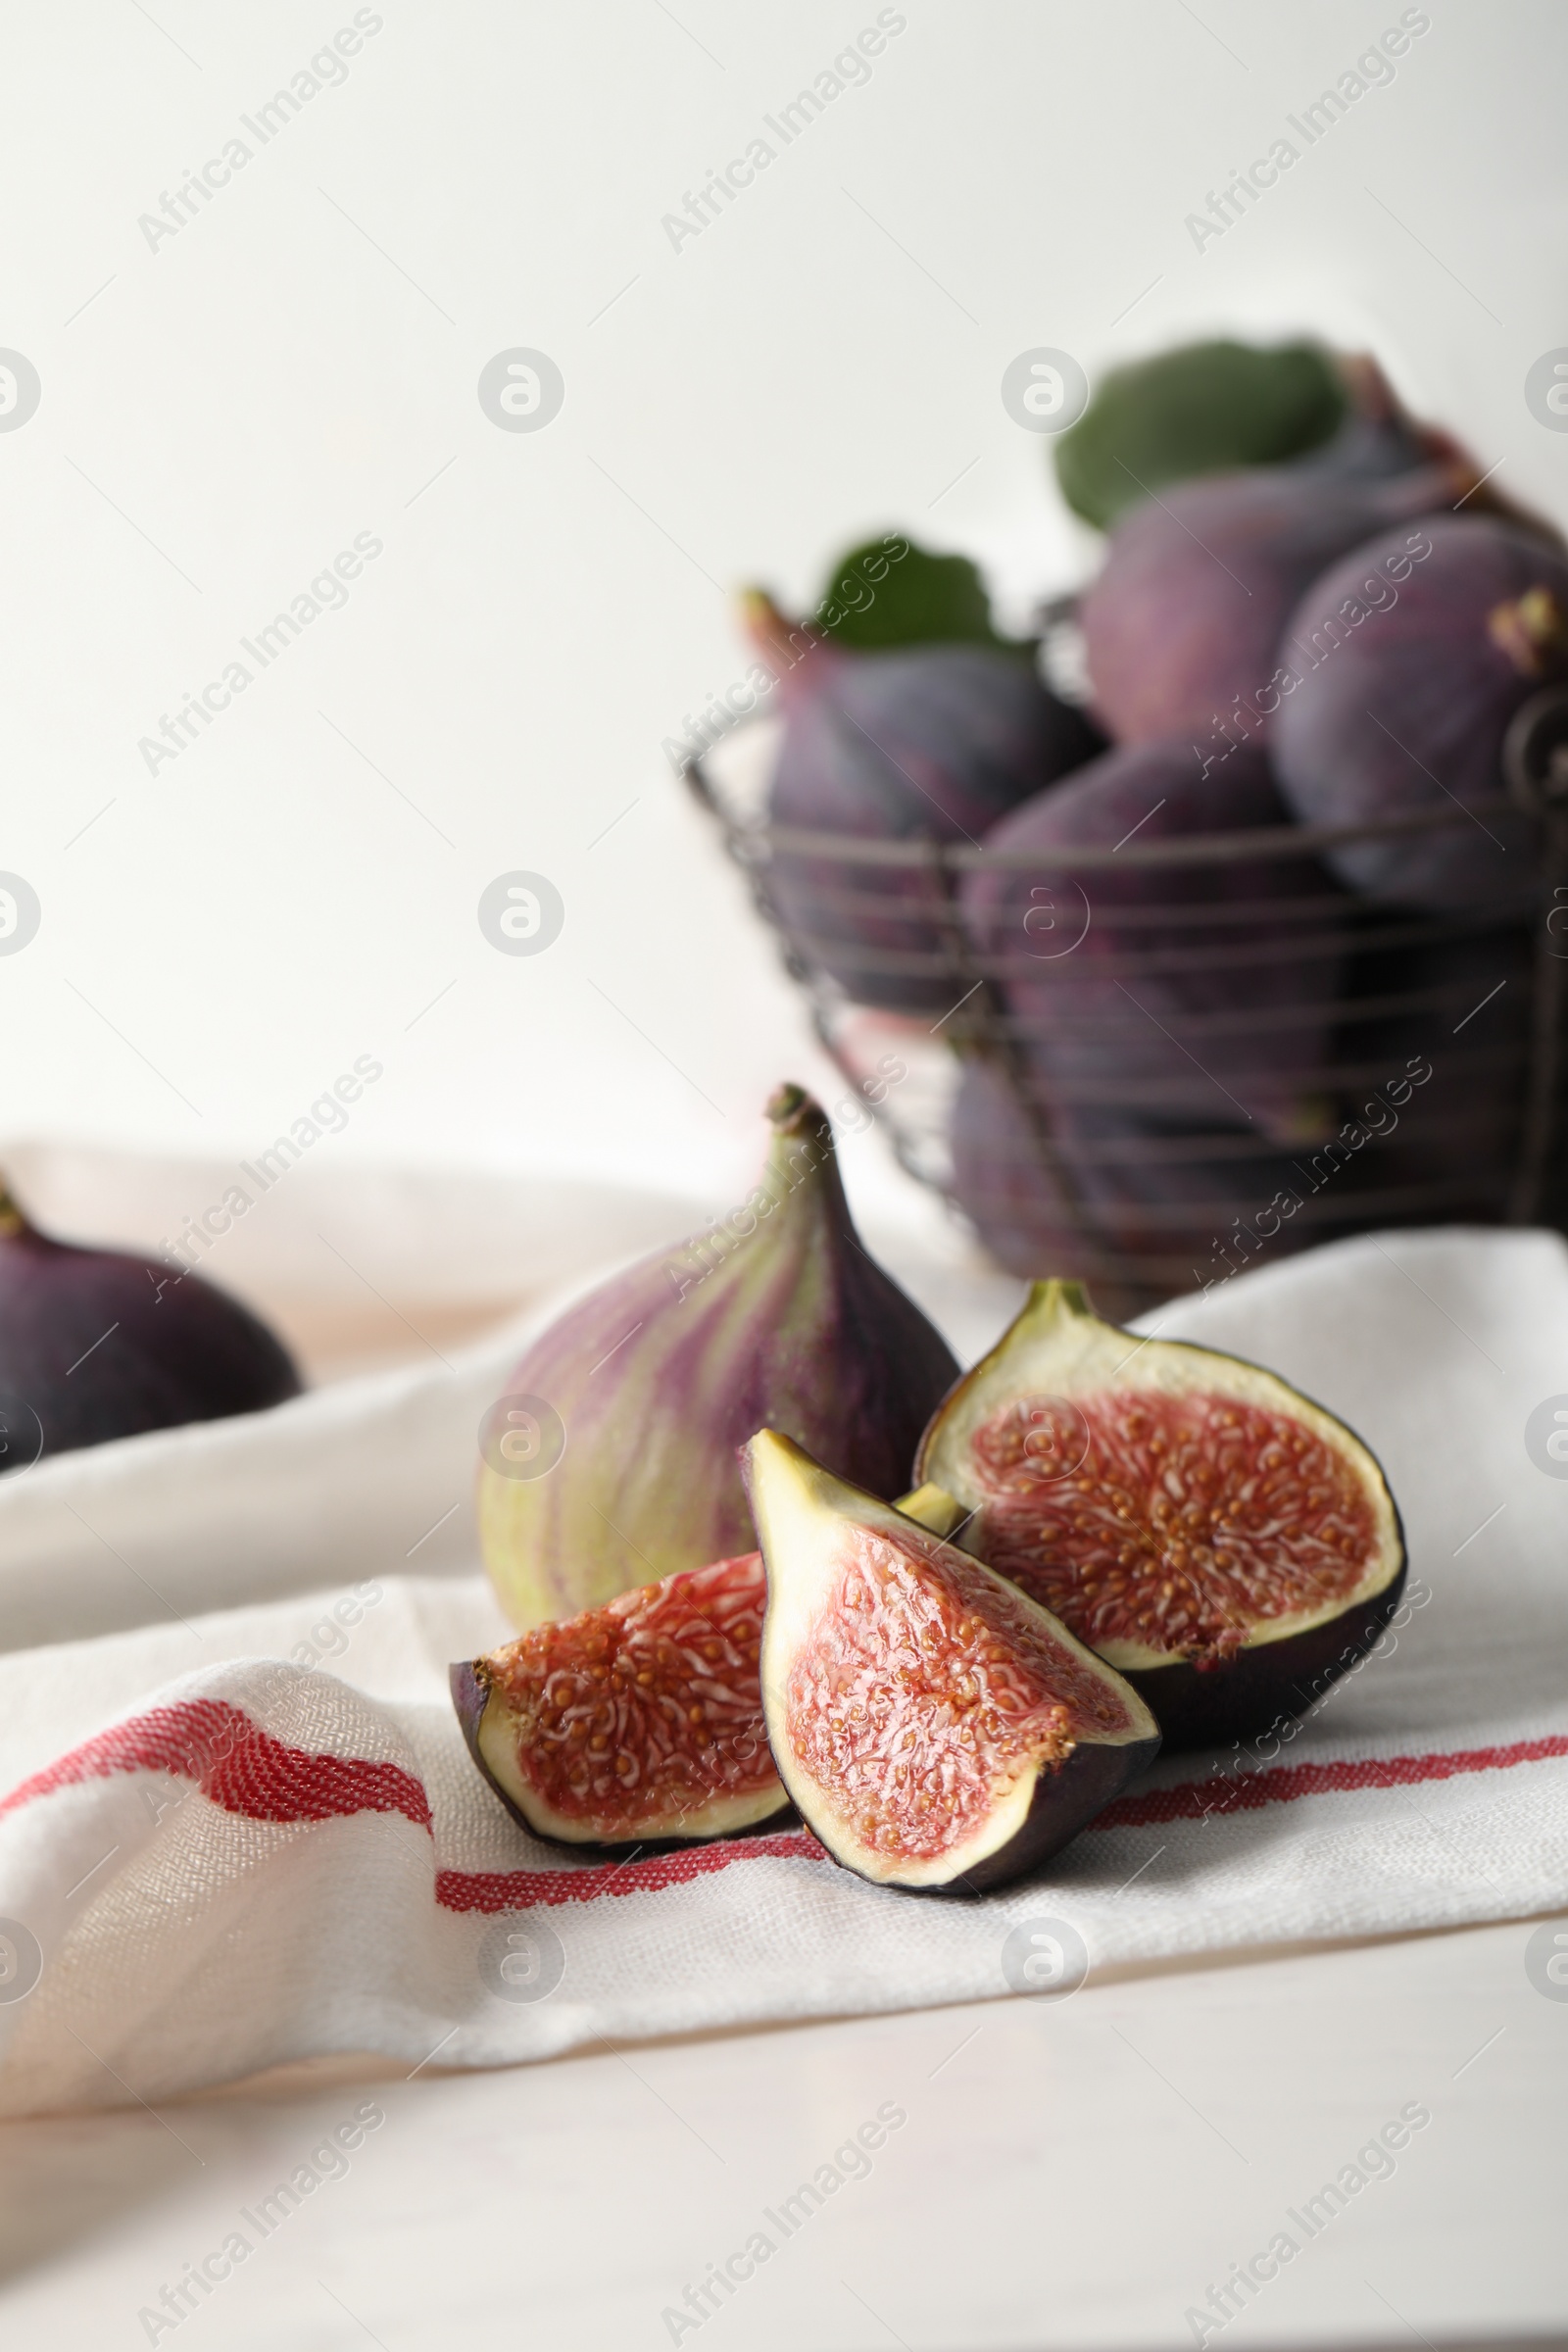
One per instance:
[(1182, 624), (96, 1344), (1162, 1205), (611, 1461), (1184, 990), (1006, 1185), (1408, 660), (1436, 1031), (929, 742)]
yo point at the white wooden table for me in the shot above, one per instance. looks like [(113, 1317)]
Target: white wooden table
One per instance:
[(1073, 2173)]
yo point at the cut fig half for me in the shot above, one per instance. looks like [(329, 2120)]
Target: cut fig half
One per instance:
[(936, 1727), (1223, 1541), (639, 1722)]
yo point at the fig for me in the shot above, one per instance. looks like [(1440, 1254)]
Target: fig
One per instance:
[(923, 743), (1182, 625), (636, 1722), (99, 1344), (1007, 1186), (1198, 990), (1227, 1546), (1433, 1044), (631, 1406), (1156, 1202), (1408, 673), (937, 1729)]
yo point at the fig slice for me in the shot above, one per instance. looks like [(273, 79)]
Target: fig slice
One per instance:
[(636, 1722), (937, 1729), (1224, 1543)]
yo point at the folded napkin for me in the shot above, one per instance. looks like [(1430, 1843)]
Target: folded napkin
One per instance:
[(241, 1837)]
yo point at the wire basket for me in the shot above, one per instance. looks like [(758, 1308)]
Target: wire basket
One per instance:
[(1075, 1142)]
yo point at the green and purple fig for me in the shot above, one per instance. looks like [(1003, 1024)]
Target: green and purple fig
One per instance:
[(97, 1344), (628, 1411)]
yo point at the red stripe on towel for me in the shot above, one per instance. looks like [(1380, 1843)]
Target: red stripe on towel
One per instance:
[(238, 1765), (1195, 1800), (521, 1889), (246, 1771)]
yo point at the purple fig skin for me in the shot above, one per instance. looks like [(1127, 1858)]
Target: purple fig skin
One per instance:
[(1000, 1183), (1260, 1688), (1410, 703), (933, 743), (662, 1373), (98, 1343), (1183, 623), (1158, 1204), (1065, 1801), (1455, 1135), (469, 1698), (1117, 1000)]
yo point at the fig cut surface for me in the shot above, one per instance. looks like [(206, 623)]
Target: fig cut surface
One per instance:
[(637, 1722), (936, 1727), (1218, 1538)]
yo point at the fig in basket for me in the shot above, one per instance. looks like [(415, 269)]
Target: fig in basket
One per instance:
[(612, 1459), (1182, 626), (1209, 408), (1140, 1205), (1408, 660), (1227, 1546), (639, 1722), (936, 1726), (1200, 989), (901, 743), (98, 1343)]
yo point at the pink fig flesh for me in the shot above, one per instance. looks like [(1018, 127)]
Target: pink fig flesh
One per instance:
[(637, 1722), (938, 1730)]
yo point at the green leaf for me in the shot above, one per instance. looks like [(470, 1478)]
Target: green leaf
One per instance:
[(889, 592), (1205, 408)]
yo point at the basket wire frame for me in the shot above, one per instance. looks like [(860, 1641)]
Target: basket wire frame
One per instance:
[(1526, 1180)]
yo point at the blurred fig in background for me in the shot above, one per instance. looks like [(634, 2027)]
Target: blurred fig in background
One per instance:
[(923, 742), (1182, 627), (1411, 659), (1194, 990), (98, 1343)]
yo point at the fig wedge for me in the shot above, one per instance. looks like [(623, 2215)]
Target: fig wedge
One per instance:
[(937, 1729), (1227, 1546), (638, 1723)]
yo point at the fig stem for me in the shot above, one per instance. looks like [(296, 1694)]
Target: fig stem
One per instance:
[(12, 1218)]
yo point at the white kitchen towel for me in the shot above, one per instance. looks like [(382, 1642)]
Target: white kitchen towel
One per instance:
[(242, 1836)]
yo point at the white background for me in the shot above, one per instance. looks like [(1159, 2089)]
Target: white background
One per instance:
[(823, 361)]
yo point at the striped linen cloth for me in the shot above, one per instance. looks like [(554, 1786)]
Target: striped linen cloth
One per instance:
[(241, 1836)]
